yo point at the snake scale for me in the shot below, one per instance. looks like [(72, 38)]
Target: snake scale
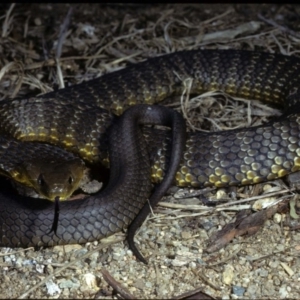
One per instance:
[(72, 118)]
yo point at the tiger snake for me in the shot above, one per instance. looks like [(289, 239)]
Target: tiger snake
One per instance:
[(71, 118)]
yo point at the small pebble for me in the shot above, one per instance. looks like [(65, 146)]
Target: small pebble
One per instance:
[(40, 268), (69, 283), (37, 21), (238, 290), (252, 289), (139, 283), (274, 264), (186, 235), (228, 275), (221, 194), (283, 293), (90, 281), (52, 288), (277, 218)]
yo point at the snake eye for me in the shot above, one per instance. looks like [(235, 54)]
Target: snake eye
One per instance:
[(41, 180), (70, 180)]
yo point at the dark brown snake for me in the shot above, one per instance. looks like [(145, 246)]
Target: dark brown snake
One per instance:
[(70, 118)]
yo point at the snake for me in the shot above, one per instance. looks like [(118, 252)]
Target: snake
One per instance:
[(71, 118), (25, 221)]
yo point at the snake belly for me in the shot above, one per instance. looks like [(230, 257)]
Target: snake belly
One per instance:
[(242, 156)]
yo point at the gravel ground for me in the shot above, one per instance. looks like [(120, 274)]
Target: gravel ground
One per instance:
[(102, 38)]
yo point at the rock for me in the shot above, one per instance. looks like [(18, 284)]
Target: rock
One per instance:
[(52, 288), (228, 275), (283, 293), (238, 290), (69, 283), (90, 281)]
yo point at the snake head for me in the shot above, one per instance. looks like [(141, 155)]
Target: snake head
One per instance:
[(52, 179)]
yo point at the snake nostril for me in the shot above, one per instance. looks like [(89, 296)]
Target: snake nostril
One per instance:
[(41, 180), (70, 180)]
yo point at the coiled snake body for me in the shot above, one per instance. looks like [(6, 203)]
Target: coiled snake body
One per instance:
[(242, 156)]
